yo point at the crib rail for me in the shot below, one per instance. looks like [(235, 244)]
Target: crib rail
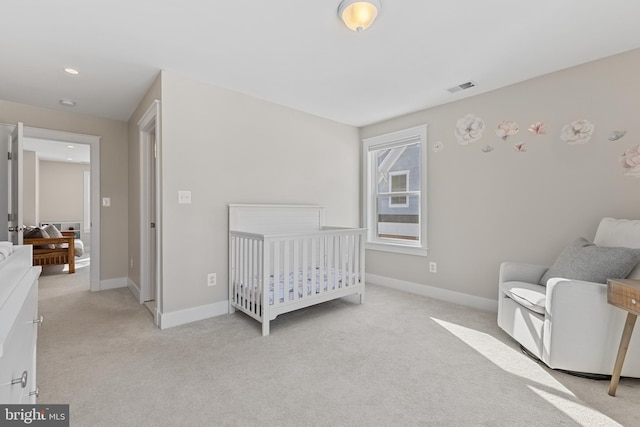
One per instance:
[(273, 274)]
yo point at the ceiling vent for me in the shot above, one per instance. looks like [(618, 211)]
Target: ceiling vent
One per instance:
[(462, 86)]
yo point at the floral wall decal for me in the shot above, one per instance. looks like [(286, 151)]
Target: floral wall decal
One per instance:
[(507, 128), (520, 147), (487, 149), (438, 146), (469, 129), (578, 132), (617, 134), (630, 161), (537, 128)]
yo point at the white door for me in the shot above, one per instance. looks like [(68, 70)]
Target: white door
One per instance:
[(15, 186)]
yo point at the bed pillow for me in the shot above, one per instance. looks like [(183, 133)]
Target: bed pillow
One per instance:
[(582, 260), (39, 233), (53, 231)]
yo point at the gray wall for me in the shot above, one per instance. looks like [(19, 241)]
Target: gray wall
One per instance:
[(485, 208), (61, 188), (230, 148)]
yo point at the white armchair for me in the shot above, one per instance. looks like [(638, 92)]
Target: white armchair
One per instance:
[(568, 324)]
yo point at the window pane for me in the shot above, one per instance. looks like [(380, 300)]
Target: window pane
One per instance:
[(394, 224), (399, 182)]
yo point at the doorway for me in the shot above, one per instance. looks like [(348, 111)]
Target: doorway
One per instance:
[(90, 220)]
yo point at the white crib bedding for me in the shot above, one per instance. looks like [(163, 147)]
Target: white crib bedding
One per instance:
[(324, 280)]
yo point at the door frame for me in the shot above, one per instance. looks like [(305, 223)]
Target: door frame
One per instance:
[(150, 124), (94, 142)]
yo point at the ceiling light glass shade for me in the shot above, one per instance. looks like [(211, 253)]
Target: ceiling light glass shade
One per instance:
[(358, 15)]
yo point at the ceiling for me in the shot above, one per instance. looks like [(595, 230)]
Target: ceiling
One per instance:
[(298, 53), (57, 151)]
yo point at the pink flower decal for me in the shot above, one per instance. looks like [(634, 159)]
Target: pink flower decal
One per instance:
[(537, 128), (630, 161), (469, 129), (520, 147), (507, 128)]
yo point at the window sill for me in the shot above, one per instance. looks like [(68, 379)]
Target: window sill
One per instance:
[(402, 249)]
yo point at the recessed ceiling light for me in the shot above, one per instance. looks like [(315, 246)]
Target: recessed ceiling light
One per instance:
[(67, 103), (70, 146), (72, 71)]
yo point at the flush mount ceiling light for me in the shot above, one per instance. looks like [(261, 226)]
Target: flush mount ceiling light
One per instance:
[(358, 15), (72, 71), (67, 103)]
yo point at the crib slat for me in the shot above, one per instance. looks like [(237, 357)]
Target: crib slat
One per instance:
[(305, 267), (297, 271), (276, 271)]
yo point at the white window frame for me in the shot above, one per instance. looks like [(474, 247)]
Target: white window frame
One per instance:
[(409, 136)]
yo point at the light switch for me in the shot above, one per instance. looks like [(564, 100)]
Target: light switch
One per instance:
[(106, 202), (184, 197)]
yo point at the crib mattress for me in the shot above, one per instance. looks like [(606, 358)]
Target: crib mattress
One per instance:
[(324, 280)]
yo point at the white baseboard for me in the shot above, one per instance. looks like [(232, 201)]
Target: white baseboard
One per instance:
[(119, 282), (467, 300), (193, 314), (135, 289)]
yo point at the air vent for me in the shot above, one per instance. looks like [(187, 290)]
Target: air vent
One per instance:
[(462, 86)]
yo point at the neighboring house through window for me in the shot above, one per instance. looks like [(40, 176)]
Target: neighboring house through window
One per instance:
[(394, 199)]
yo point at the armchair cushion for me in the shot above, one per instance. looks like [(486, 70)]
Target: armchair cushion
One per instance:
[(526, 294), (585, 261)]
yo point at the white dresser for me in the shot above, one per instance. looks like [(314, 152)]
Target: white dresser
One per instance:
[(19, 323)]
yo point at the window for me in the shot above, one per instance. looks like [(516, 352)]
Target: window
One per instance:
[(394, 198), (398, 184)]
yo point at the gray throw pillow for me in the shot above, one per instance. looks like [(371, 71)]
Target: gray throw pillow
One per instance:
[(585, 261)]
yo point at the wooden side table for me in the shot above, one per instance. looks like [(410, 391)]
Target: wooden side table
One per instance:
[(625, 294)]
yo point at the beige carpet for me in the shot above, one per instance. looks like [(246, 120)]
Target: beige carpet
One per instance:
[(397, 360)]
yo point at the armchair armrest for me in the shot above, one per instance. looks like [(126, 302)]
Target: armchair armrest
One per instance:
[(579, 321), (517, 271)]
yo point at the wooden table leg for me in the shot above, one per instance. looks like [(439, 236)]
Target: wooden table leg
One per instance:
[(622, 352)]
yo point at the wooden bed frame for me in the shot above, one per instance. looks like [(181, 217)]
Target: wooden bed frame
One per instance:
[(282, 258), (55, 256)]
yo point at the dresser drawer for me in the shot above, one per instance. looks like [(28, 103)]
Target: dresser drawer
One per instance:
[(624, 293), (19, 352)]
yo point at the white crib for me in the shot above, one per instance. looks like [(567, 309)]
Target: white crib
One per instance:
[(282, 258)]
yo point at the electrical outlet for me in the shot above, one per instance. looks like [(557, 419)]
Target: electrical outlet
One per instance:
[(433, 267), (211, 279)]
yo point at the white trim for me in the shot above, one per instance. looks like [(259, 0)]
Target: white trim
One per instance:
[(135, 289), (193, 314), (86, 202), (150, 123), (118, 282), (484, 304), (94, 143), (417, 134)]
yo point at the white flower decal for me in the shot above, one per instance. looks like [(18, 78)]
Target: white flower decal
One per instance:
[(630, 160), (469, 129), (438, 146), (578, 132), (507, 128)]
